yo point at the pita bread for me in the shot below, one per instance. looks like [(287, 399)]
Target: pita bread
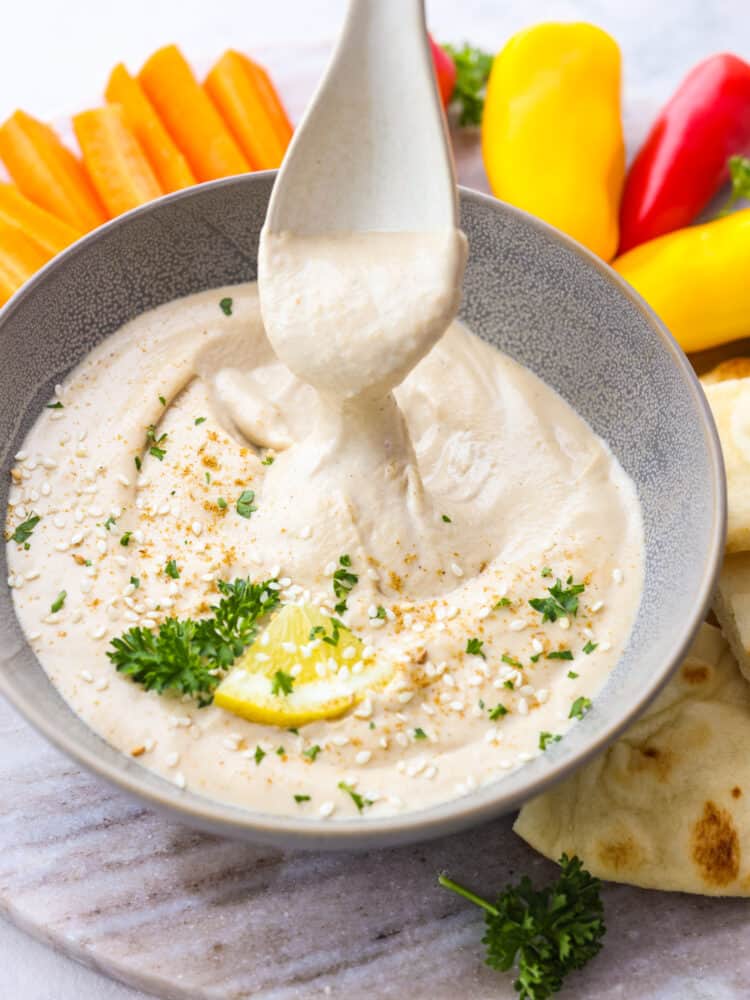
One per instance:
[(732, 607), (733, 368), (668, 805), (730, 404)]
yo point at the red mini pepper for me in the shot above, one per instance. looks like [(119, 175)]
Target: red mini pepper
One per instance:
[(445, 71), (683, 162)]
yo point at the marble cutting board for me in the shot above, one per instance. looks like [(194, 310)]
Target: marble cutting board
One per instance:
[(184, 915)]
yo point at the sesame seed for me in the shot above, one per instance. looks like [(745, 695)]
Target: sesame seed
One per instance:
[(457, 706), (172, 759), (102, 684), (32, 574), (326, 809), (483, 612), (98, 633), (524, 758), (330, 569), (536, 645), (456, 570), (21, 456), (405, 697), (101, 546), (517, 625), (605, 646), (523, 706), (597, 606), (49, 463), (363, 757), (87, 676), (306, 532), (339, 741), (617, 575), (123, 480), (179, 780), (564, 622), (542, 695), (196, 527), (62, 546), (59, 521), (373, 574)]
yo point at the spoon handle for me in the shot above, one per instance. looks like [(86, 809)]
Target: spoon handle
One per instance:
[(372, 150)]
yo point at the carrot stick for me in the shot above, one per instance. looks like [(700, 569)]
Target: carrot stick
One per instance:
[(46, 230), (190, 116), (251, 109), (20, 257), (116, 163), (48, 173), (168, 163)]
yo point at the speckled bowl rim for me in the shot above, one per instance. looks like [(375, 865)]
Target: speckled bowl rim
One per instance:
[(485, 803)]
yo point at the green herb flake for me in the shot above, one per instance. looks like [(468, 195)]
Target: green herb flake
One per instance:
[(135, 581), (343, 582), (138, 463), (259, 754), (282, 683), (25, 530), (268, 460), (535, 657), (162, 400), (157, 452), (420, 734), (509, 685), (511, 661), (125, 538), (561, 602), (498, 712), (590, 647), (171, 570), (312, 752), (559, 654), (546, 738), (221, 503), (199, 421), (579, 708), (474, 647), (280, 752), (58, 602), (359, 800), (54, 406), (504, 602), (245, 506), (110, 523), (301, 798), (572, 675), (447, 519), (226, 306), (546, 571)]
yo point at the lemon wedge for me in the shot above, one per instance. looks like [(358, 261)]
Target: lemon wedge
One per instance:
[(305, 666)]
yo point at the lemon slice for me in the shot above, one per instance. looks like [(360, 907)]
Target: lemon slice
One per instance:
[(306, 666)]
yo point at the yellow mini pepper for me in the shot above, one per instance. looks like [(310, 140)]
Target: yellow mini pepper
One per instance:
[(552, 133), (697, 280)]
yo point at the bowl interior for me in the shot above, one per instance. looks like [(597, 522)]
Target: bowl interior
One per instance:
[(532, 292)]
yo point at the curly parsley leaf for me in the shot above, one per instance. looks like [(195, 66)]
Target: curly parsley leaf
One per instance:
[(546, 932), (188, 657), (472, 72), (563, 600)]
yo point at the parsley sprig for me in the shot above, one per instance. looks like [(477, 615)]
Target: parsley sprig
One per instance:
[(188, 657), (472, 71), (563, 600), (546, 932)]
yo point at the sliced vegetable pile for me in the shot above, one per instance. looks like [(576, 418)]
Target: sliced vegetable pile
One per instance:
[(158, 132)]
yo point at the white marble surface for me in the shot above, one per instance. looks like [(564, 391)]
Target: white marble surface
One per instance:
[(123, 889)]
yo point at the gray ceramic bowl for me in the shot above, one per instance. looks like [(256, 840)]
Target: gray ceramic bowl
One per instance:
[(531, 291)]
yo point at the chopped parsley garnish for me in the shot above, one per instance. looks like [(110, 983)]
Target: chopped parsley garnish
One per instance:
[(245, 506), (380, 612), (293, 729), (58, 602), (155, 450), (312, 752), (125, 538), (54, 406), (546, 571), (268, 460), (280, 752), (546, 738), (509, 685), (319, 632), (199, 421), (535, 657), (221, 503), (359, 800), (474, 647), (259, 754), (420, 734), (208, 479), (301, 798), (138, 462), (498, 712), (110, 522), (511, 661), (25, 530), (171, 570), (504, 602), (546, 932), (226, 306), (572, 675), (162, 400), (282, 683), (135, 581), (561, 602), (343, 582), (579, 708), (590, 647), (447, 519), (559, 654), (187, 656)]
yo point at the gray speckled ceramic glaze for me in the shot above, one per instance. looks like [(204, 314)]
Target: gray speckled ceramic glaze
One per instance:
[(535, 294)]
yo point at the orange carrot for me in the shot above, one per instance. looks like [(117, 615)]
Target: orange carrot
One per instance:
[(20, 257), (169, 165), (116, 163), (48, 173), (245, 96), (46, 230), (190, 116)]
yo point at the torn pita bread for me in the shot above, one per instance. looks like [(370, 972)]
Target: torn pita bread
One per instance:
[(730, 405), (733, 368), (668, 805), (732, 606)]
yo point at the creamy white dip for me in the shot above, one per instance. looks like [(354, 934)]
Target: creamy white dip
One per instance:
[(473, 483)]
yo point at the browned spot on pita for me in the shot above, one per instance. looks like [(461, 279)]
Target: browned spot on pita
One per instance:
[(619, 855), (736, 792), (658, 762), (716, 846), (695, 675)]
